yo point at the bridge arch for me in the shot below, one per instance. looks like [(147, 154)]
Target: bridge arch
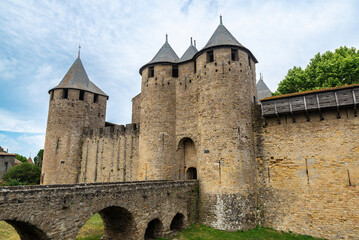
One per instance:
[(186, 156), (178, 222), (118, 222), (154, 229), (27, 231)]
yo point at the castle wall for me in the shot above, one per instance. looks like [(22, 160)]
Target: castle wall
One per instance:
[(226, 156), (136, 109), (187, 94), (309, 174), (110, 154), (67, 118), (158, 117)]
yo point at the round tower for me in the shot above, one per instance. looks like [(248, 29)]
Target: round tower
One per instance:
[(226, 156), (158, 116), (76, 103)]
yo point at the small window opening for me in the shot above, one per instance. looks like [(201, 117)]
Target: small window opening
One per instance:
[(249, 62), (191, 173), (52, 95), (5, 166), (190, 81), (195, 66), (234, 54), (175, 71), (151, 72), (82, 94), (95, 98), (210, 57), (65, 93)]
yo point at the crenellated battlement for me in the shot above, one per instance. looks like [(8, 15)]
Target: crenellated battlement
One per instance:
[(112, 130)]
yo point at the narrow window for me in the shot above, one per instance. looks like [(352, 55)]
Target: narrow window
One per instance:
[(249, 62), (210, 56), (151, 72), (82, 94), (175, 71), (52, 95), (65, 93), (195, 66), (234, 54), (95, 98), (5, 166)]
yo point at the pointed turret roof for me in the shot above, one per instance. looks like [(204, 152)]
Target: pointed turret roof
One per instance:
[(262, 89), (189, 53), (165, 54), (76, 78), (222, 37)]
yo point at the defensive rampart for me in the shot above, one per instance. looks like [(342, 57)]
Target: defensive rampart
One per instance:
[(110, 154), (308, 163)]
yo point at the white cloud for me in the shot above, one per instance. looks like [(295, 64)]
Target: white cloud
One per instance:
[(13, 123)]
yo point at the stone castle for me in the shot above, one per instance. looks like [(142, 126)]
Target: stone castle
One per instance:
[(288, 162)]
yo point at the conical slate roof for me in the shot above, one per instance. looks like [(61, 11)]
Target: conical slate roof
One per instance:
[(76, 78), (189, 53), (222, 37), (165, 54), (262, 89)]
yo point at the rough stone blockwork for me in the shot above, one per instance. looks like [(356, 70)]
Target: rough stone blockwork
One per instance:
[(309, 174), (59, 211), (110, 154)]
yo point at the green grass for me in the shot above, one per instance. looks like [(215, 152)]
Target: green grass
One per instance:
[(200, 232), (8, 232), (94, 230)]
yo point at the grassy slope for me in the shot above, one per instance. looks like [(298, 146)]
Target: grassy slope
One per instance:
[(94, 230), (200, 232)]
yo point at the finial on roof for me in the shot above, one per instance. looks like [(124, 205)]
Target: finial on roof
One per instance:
[(166, 37), (194, 43), (220, 20), (191, 42), (260, 76), (79, 51)]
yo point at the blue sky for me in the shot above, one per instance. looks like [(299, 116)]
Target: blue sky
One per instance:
[(39, 42)]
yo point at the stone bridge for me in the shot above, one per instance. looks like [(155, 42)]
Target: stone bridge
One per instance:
[(129, 210)]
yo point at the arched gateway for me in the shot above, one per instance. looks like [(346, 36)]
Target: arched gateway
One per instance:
[(187, 159)]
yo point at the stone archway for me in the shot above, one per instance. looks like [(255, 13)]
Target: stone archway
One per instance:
[(118, 223), (27, 231), (177, 223), (187, 156), (154, 229), (191, 173)]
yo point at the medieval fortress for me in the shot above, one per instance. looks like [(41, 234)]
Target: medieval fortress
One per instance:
[(289, 162)]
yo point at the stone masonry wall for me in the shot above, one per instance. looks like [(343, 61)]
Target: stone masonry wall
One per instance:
[(136, 109), (110, 154), (309, 175), (226, 156), (67, 118)]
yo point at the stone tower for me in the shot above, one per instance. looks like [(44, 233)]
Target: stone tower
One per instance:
[(158, 116), (76, 103), (226, 154)]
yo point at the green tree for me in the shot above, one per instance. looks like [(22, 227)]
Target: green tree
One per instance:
[(330, 69), (39, 157), (25, 173), (21, 158)]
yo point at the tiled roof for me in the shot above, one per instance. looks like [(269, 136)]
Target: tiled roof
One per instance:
[(165, 54), (77, 78), (189, 53), (310, 91)]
